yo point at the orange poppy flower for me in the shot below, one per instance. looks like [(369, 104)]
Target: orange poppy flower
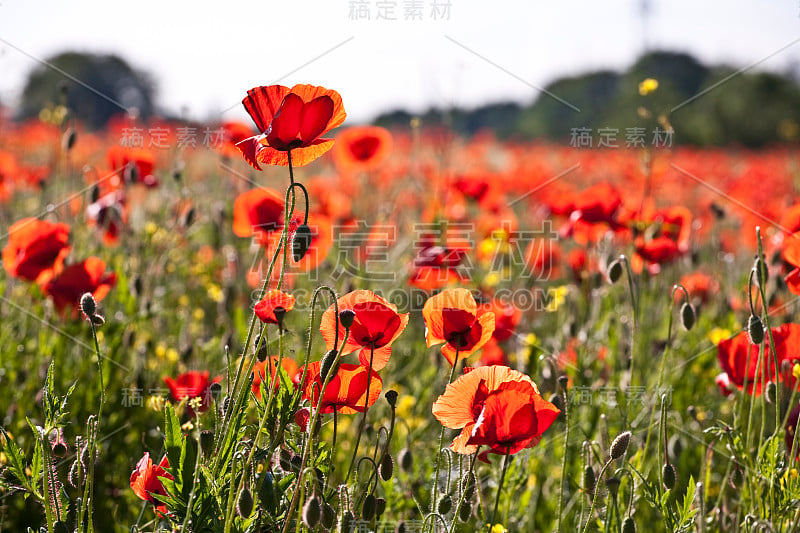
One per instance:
[(290, 119), (257, 212), (733, 357), (451, 317), (108, 214), (272, 300), (262, 373), (506, 317), (145, 480), (376, 326), (791, 254), (362, 147), (68, 286), (494, 406), (347, 390), (192, 384), (35, 248)]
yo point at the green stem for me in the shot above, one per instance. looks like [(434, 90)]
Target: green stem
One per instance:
[(461, 498), (594, 498), (435, 488), (564, 459), (500, 487), (363, 416)]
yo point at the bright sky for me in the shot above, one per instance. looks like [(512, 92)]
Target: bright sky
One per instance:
[(205, 55)]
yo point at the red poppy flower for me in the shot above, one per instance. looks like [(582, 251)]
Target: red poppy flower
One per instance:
[(733, 356), (437, 266), (451, 317), (506, 317), (494, 406), (192, 384), (791, 254), (89, 275), (258, 212), (35, 248), (272, 300), (347, 390), (376, 326), (261, 373), (145, 480), (362, 147), (290, 119), (134, 165)]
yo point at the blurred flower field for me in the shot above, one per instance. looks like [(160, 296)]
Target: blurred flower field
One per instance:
[(274, 326)]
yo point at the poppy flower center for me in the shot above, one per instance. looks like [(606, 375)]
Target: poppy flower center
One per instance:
[(363, 149)]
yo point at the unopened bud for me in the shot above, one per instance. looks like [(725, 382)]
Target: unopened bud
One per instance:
[(327, 364), (755, 329), (762, 272), (244, 504), (445, 504), (266, 493), (772, 392), (312, 512), (347, 317), (347, 521), (328, 516), (688, 316), (468, 485), (380, 507), (386, 468), (620, 445), (88, 304), (669, 475), (207, 442), (465, 511), (563, 381), (405, 459), (368, 508), (628, 525), (69, 138), (615, 271), (589, 479), (391, 397), (301, 242), (612, 484)]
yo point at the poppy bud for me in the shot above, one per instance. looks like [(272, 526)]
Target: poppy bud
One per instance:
[(468, 485), (556, 400), (401, 527), (612, 484), (188, 218), (131, 173), (762, 272), (98, 320), (669, 475), (589, 479), (628, 525), (368, 508), (391, 397), (301, 242), (445, 504), (312, 512), (346, 521), (328, 516), (615, 271), (266, 493), (207, 442), (301, 418), (465, 511), (285, 460), (620, 445), (244, 504), (405, 459), (68, 140), (60, 527), (296, 462), (386, 468), (59, 449), (755, 329), (326, 365), (737, 476), (215, 389), (675, 446), (94, 194), (380, 507), (687, 316), (772, 392), (280, 313), (563, 381), (88, 304), (346, 317)]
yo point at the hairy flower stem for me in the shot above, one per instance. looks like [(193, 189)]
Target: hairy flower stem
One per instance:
[(463, 493), (635, 309), (435, 488), (500, 488), (594, 497), (363, 416), (565, 402)]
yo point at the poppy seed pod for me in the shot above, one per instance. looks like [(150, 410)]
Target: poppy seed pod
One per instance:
[(755, 329), (669, 475), (301, 242), (266, 493), (688, 316), (88, 304), (620, 445), (386, 468), (244, 504), (312, 512), (368, 508), (207, 442), (346, 317), (589, 479)]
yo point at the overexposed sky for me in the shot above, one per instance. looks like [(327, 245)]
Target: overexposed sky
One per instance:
[(205, 55)]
